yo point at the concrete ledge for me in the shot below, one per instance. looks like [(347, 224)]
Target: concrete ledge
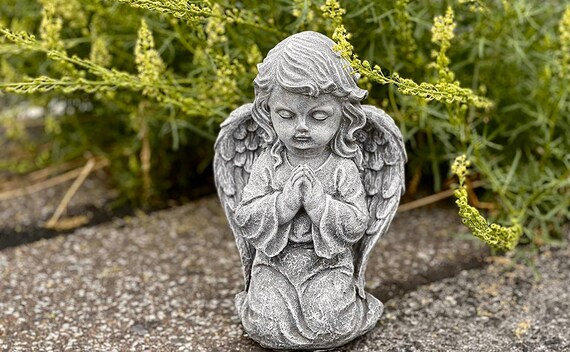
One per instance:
[(166, 282)]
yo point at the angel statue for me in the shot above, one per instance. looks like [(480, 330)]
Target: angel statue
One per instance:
[(309, 180)]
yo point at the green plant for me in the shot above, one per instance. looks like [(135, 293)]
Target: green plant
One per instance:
[(145, 84)]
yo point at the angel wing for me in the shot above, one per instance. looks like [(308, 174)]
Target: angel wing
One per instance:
[(384, 157), (239, 143)]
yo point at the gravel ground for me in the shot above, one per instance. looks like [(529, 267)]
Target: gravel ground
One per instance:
[(502, 307), (166, 282)]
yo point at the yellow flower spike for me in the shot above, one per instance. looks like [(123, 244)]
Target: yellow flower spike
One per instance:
[(100, 53), (498, 237), (447, 90), (216, 28), (442, 34), (332, 9), (443, 27), (50, 28), (149, 64), (405, 29)]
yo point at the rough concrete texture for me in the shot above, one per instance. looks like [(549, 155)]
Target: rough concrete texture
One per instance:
[(502, 307), (166, 282)]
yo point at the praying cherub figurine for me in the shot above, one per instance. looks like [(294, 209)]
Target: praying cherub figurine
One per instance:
[(309, 179)]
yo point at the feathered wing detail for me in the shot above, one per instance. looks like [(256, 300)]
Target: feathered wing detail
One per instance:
[(384, 157), (239, 143)]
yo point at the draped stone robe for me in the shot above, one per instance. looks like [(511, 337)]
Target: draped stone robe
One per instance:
[(302, 292)]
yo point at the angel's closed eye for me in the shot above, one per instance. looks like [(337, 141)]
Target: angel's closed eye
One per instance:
[(286, 114), (320, 115)]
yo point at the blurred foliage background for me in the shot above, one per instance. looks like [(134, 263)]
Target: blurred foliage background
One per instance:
[(144, 85)]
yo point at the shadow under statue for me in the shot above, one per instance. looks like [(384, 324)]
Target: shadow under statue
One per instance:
[(309, 180)]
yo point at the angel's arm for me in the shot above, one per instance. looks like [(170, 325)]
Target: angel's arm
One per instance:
[(340, 221), (257, 214)]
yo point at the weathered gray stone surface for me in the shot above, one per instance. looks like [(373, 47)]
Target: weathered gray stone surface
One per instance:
[(166, 282), (309, 179)]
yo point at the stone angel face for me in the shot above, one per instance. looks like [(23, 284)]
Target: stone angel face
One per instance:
[(309, 179), (304, 124)]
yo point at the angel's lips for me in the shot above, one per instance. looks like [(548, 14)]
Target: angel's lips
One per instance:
[(302, 138)]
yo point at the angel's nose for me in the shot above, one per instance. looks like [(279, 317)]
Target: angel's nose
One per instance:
[(301, 124)]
